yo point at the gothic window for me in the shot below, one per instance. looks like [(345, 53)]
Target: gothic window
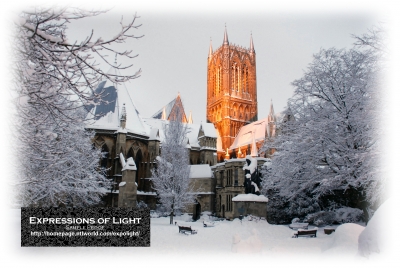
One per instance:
[(246, 113), (236, 177), (104, 158), (219, 80), (228, 202), (138, 161), (130, 154)]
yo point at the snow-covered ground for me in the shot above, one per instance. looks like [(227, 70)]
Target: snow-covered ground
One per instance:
[(227, 242)]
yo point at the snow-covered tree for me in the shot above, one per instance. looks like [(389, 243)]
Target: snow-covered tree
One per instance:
[(171, 177), (61, 166), (327, 157), (48, 65), (54, 80)]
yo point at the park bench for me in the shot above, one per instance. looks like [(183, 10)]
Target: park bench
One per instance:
[(328, 231), (302, 232), (185, 229)]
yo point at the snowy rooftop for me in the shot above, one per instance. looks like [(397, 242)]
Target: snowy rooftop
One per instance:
[(245, 135), (106, 115), (239, 160), (200, 171), (209, 130), (250, 198), (173, 106), (192, 130)]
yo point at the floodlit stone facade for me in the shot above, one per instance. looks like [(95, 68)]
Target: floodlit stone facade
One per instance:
[(231, 90)]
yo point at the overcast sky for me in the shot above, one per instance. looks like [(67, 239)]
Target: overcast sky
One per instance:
[(172, 53)]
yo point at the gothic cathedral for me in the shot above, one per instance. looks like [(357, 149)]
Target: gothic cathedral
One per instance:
[(231, 89)]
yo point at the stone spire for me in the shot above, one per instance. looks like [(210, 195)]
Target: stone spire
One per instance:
[(123, 117), (271, 109), (271, 115), (226, 42), (190, 121), (251, 43), (271, 121)]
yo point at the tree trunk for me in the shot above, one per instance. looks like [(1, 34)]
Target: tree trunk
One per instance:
[(171, 216)]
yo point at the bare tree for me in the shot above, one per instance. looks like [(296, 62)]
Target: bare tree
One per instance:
[(54, 79), (171, 177)]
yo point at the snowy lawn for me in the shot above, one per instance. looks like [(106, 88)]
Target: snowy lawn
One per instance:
[(228, 242), (249, 237)]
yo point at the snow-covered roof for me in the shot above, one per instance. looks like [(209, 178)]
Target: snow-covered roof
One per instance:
[(154, 134), (173, 106), (106, 115), (209, 130), (200, 171), (250, 198), (159, 124), (246, 133)]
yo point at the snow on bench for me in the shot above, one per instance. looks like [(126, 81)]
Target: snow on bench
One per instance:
[(184, 229), (298, 225), (302, 232), (208, 223)]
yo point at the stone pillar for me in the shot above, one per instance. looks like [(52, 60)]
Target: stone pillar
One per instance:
[(128, 188)]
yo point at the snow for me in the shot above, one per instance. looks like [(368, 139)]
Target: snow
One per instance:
[(111, 120), (128, 165), (250, 198), (209, 130), (122, 183), (344, 240), (245, 135), (154, 134), (153, 123), (200, 171), (212, 247), (370, 240), (253, 164), (122, 159), (146, 193)]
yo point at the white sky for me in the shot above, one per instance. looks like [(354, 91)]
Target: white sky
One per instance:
[(173, 51)]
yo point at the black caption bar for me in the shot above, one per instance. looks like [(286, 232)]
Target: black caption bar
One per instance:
[(85, 227)]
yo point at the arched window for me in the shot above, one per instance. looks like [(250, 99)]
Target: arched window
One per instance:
[(130, 154), (138, 161)]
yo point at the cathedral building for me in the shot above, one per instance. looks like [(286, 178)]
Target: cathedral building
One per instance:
[(231, 90), (217, 149), (122, 134)]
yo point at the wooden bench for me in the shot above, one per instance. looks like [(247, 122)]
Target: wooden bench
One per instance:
[(328, 231), (301, 232), (184, 229)]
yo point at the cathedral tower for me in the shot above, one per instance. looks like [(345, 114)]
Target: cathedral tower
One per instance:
[(231, 89)]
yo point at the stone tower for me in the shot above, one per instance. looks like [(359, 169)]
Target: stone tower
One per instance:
[(231, 89)]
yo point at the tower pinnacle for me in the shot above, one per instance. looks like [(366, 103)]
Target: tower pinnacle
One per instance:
[(226, 42), (251, 43)]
